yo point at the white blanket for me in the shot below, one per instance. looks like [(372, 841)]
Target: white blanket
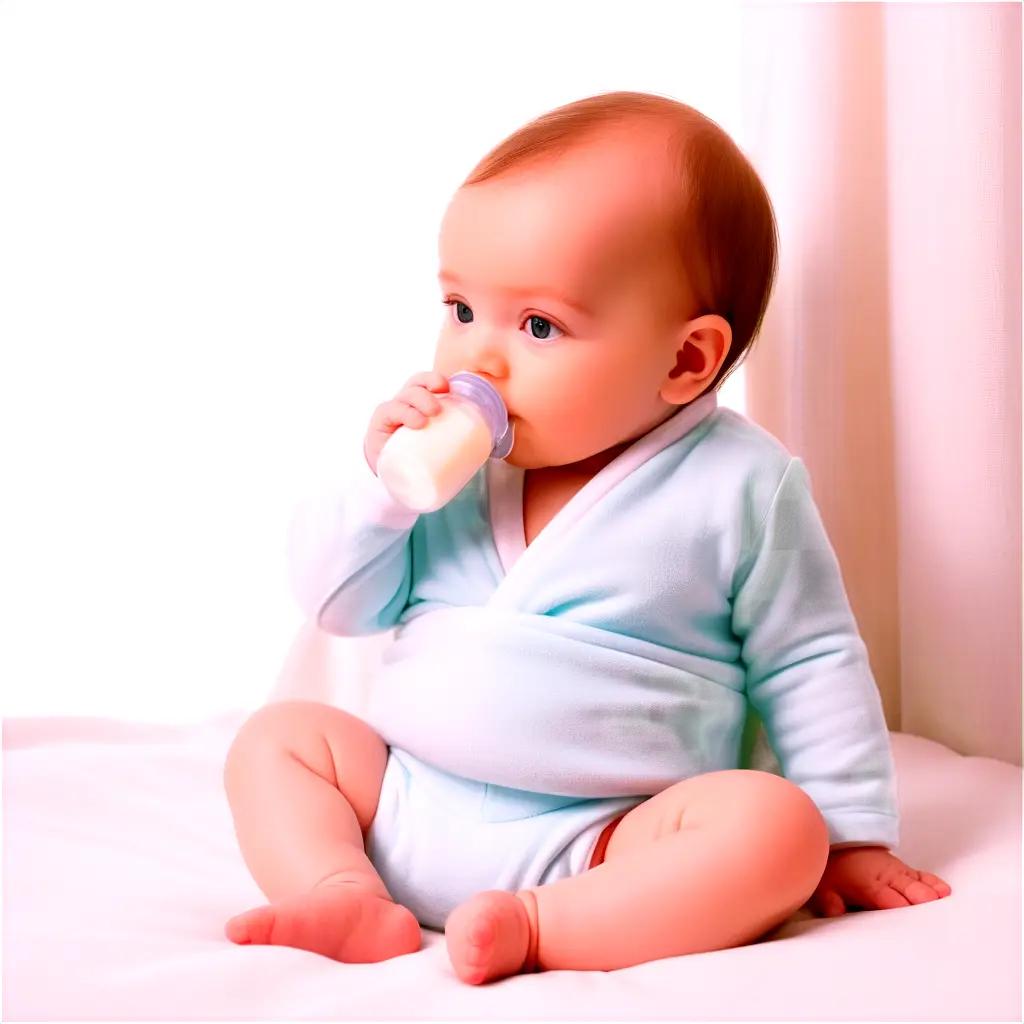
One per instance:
[(121, 867)]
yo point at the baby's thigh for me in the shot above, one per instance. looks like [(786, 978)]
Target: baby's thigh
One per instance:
[(338, 746)]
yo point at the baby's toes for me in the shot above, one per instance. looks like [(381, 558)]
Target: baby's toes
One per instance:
[(254, 926), (481, 932), (487, 937)]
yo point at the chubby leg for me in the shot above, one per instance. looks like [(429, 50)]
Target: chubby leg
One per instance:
[(713, 861), (303, 781)]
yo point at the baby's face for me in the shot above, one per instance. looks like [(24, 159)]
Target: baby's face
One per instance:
[(563, 299)]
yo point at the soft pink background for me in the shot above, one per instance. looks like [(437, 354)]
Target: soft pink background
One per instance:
[(888, 136)]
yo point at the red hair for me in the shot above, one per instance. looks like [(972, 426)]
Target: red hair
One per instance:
[(721, 220)]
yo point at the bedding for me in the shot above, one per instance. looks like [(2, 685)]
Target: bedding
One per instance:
[(121, 867)]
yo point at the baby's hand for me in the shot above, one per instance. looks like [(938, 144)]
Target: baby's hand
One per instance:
[(409, 408), (871, 878)]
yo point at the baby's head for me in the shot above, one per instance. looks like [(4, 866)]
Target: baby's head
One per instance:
[(604, 265)]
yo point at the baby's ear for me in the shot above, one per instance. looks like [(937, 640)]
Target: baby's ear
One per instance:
[(701, 348), (689, 359)]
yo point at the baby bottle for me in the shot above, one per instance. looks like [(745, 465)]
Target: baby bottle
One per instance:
[(425, 468)]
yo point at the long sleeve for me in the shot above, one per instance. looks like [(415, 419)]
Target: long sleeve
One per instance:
[(349, 555), (807, 669)]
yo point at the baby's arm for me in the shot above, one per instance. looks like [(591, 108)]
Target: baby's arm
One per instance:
[(349, 558), (808, 675), (350, 545)]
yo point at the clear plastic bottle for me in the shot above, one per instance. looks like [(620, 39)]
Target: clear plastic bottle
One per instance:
[(425, 468)]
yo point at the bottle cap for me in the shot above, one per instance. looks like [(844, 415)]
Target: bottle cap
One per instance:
[(476, 389)]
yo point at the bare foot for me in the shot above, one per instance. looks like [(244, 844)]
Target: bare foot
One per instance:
[(336, 920), (489, 935)]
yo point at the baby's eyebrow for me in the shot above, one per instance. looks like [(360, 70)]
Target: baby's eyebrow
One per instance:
[(580, 307)]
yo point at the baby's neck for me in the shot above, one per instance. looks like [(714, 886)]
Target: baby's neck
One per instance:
[(587, 467), (593, 464)]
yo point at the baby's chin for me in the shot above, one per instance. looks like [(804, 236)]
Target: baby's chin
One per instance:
[(522, 454), (522, 458), (525, 456)]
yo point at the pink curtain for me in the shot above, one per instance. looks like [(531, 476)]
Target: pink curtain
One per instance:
[(888, 136)]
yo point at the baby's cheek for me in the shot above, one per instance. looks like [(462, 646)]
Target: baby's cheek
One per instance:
[(556, 441)]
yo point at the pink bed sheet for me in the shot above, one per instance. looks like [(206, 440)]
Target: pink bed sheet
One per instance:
[(120, 868)]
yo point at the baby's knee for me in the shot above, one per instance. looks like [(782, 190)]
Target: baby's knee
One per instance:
[(793, 831), (275, 726), (328, 740)]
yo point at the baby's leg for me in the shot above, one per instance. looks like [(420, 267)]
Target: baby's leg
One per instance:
[(303, 780), (711, 862)]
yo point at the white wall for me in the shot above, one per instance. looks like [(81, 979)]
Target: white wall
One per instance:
[(218, 230)]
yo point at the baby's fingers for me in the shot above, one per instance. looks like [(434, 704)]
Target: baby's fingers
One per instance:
[(433, 380), (827, 903), (886, 896), (912, 889), (397, 413), (421, 399), (935, 882)]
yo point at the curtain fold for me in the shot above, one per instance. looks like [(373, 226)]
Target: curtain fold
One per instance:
[(888, 136)]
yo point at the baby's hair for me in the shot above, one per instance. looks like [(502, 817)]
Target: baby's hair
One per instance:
[(723, 224)]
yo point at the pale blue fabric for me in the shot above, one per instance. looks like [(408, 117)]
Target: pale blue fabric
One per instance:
[(621, 658)]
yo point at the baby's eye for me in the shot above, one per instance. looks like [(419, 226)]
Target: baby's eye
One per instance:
[(535, 321), (459, 307), (546, 328)]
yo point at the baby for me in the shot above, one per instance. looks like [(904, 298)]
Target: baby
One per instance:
[(550, 768)]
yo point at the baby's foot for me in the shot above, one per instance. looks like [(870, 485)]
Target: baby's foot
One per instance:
[(335, 919), (489, 936)]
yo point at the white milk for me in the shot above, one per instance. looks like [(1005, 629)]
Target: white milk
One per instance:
[(424, 467)]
